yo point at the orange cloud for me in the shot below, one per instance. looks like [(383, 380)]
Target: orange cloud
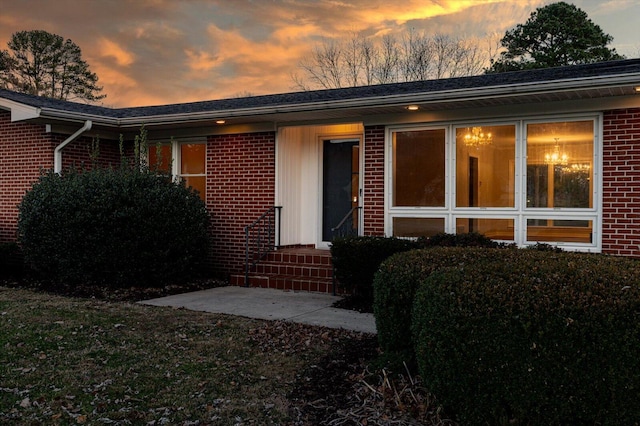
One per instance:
[(200, 61), (108, 48)]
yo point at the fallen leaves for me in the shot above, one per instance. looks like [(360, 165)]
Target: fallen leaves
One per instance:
[(289, 338), (73, 361)]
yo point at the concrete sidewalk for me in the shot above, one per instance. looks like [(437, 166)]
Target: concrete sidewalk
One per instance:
[(270, 304)]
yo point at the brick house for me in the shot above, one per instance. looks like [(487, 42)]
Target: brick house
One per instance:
[(548, 155)]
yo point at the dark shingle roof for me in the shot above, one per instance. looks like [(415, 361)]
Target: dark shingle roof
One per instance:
[(601, 69)]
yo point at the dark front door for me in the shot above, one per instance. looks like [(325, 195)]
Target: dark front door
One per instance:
[(340, 184)]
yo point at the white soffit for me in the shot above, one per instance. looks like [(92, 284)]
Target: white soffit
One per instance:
[(19, 111)]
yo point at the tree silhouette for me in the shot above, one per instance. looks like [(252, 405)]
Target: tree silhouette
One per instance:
[(558, 34), (44, 64)]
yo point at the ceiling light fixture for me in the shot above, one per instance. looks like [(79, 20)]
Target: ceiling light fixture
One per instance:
[(220, 121), (637, 89), (477, 138), (556, 157), (413, 107)]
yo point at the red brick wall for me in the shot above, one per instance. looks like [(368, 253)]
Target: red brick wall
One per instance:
[(373, 200), (240, 187), (77, 153), (24, 150), (621, 183)]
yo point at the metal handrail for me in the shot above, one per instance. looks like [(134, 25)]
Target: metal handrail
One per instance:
[(261, 237), (340, 230)]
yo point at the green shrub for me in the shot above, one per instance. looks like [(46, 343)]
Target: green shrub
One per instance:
[(395, 285), (356, 260), (122, 227), (470, 239), (10, 261), (533, 338)]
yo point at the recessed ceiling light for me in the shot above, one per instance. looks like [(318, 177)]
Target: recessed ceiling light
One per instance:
[(220, 121), (413, 107), (637, 89)]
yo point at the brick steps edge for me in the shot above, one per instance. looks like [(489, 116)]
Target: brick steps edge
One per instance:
[(286, 282)]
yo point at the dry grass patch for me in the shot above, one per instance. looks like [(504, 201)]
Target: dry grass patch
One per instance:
[(79, 361)]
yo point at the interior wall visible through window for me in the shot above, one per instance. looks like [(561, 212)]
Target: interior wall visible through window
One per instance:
[(524, 181), (186, 160)]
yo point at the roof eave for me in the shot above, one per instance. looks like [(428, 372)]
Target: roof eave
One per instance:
[(456, 95), (22, 111)]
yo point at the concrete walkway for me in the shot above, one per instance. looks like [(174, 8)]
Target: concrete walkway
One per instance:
[(269, 304)]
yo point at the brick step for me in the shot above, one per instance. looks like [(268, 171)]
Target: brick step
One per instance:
[(293, 269), (286, 282), (309, 257)]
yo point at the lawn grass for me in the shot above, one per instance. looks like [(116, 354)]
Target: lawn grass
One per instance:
[(82, 361)]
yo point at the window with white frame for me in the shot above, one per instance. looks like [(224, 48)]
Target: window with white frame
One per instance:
[(419, 179), (185, 160), (525, 181)]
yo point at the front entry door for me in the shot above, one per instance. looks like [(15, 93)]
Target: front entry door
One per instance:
[(340, 185)]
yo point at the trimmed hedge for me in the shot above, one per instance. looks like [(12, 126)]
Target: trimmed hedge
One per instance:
[(470, 239), (532, 337), (356, 260), (397, 281), (121, 227)]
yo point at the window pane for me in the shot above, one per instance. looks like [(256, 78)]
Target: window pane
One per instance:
[(198, 183), (569, 231), (496, 229), (417, 227), (485, 166), (160, 158), (537, 185), (418, 168), (572, 186), (560, 164), (192, 156)]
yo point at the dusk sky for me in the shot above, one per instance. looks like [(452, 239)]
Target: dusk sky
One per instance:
[(149, 52)]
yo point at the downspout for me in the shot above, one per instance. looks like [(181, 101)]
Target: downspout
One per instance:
[(57, 153)]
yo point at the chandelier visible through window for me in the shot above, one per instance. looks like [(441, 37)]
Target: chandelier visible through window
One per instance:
[(476, 138), (556, 157)]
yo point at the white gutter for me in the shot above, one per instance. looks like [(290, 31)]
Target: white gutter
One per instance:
[(57, 153)]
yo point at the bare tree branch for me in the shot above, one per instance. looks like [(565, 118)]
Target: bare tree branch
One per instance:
[(359, 61)]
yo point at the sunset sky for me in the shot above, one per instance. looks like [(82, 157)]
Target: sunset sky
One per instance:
[(149, 52)]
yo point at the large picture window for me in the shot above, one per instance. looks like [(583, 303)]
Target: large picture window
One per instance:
[(526, 181)]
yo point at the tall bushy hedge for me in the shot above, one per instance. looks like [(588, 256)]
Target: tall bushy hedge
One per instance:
[(117, 227), (536, 338)]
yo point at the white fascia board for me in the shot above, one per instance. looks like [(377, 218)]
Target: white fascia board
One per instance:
[(19, 112)]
